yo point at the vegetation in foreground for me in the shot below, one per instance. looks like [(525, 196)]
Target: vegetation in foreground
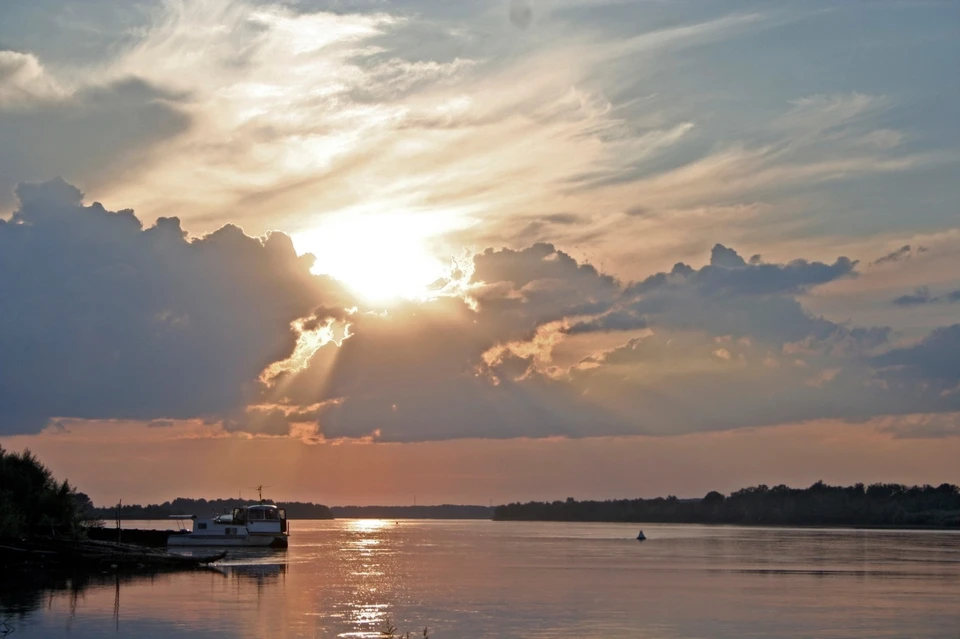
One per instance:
[(43, 526), (819, 505), (33, 503)]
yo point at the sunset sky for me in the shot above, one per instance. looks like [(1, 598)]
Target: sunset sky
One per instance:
[(362, 251)]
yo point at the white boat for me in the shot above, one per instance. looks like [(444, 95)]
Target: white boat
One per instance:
[(263, 525)]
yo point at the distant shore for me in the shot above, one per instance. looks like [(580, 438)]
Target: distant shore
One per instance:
[(877, 506)]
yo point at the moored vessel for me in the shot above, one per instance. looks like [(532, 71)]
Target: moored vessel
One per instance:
[(263, 525)]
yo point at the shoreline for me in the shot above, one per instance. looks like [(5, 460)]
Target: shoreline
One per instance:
[(715, 524), (51, 558)]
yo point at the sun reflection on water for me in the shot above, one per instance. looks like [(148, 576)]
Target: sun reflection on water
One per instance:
[(367, 553), (367, 525)]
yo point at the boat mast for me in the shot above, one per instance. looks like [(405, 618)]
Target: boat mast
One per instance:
[(259, 490)]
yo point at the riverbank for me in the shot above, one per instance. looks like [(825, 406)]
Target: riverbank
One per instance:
[(57, 556)]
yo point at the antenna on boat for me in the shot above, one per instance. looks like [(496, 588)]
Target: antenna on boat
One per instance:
[(259, 490)]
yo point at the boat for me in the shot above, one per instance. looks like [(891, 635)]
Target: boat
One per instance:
[(641, 536), (263, 525)]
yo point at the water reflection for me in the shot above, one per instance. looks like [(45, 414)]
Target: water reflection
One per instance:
[(349, 578), (27, 594), (366, 558)]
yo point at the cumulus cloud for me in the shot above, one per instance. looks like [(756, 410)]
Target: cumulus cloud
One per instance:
[(696, 355), (728, 296), (105, 319)]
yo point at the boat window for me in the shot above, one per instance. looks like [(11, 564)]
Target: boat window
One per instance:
[(201, 526), (270, 514), (230, 531), (255, 514)]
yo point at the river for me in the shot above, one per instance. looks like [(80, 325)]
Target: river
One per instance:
[(351, 578)]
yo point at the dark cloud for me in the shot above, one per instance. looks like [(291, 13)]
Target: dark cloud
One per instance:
[(620, 320), (726, 297), (725, 257), (673, 382), (934, 361), (905, 252), (729, 273), (539, 284), (104, 319), (93, 135), (921, 295), (421, 377)]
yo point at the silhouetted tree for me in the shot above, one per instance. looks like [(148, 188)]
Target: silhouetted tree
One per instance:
[(32, 502)]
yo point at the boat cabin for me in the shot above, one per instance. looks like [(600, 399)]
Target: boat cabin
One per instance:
[(260, 518)]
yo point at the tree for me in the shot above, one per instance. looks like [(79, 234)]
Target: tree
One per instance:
[(32, 502)]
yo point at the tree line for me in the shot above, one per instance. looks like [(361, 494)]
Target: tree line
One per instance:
[(820, 504), (204, 507)]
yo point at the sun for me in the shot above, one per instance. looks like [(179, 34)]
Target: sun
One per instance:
[(382, 257)]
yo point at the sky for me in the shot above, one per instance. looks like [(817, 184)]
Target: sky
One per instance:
[(366, 252)]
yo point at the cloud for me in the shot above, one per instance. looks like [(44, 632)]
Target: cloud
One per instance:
[(287, 115), (905, 252), (104, 319), (695, 355), (728, 296), (922, 426), (24, 81), (934, 360), (921, 295), (95, 134)]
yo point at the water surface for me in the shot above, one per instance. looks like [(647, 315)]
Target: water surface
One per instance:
[(348, 578)]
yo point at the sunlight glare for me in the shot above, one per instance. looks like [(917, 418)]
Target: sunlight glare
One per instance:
[(367, 525), (382, 257)]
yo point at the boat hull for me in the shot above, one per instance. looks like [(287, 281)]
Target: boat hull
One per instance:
[(228, 541)]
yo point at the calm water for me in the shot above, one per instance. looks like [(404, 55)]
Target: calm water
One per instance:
[(347, 578)]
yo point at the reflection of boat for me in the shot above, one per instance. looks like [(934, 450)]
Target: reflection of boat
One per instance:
[(261, 525), (641, 536), (260, 573)]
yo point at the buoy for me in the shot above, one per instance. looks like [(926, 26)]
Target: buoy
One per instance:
[(641, 536)]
